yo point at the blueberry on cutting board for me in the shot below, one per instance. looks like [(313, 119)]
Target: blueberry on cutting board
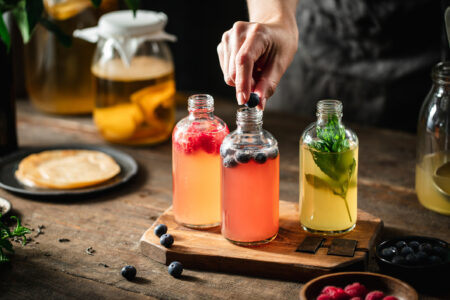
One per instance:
[(166, 240), (160, 230)]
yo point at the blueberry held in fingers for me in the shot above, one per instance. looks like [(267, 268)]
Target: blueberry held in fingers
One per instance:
[(166, 240), (253, 101)]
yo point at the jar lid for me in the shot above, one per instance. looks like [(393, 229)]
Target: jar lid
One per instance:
[(124, 23)]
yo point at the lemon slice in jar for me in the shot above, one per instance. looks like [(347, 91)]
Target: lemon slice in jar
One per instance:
[(156, 102), (118, 122)]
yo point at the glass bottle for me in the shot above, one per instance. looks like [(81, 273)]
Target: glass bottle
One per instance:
[(133, 77), (250, 181), (196, 144), (433, 141), (59, 78), (328, 173)]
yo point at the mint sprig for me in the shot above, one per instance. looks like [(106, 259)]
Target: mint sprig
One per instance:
[(6, 235), (331, 154)]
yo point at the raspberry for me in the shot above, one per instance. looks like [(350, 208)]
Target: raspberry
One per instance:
[(375, 295), (324, 297), (328, 289), (356, 298), (339, 294), (390, 298), (356, 289), (207, 143)]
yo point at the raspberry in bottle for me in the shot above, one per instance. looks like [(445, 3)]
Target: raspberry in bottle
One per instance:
[(196, 163), (250, 181)]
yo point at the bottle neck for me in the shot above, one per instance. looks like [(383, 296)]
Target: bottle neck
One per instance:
[(441, 74), (327, 109), (201, 106), (249, 120)]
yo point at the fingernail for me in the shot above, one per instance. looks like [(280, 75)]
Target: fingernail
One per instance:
[(241, 98)]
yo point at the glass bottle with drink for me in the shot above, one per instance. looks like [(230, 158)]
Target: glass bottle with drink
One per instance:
[(59, 78), (134, 77), (250, 181), (328, 173), (433, 143), (196, 144)]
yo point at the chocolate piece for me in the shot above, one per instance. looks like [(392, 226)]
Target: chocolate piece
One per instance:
[(310, 244), (342, 247)]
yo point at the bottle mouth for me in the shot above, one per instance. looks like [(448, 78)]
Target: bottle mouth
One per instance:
[(201, 102), (329, 107), (441, 72), (249, 115)]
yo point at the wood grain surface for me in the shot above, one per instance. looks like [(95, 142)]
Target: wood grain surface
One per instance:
[(209, 250), (114, 222)]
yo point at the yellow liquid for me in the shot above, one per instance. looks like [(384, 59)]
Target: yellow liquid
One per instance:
[(58, 78), (196, 188), (427, 191), (135, 105), (321, 209)]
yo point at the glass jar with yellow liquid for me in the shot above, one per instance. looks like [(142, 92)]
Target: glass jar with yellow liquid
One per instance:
[(134, 77), (58, 78), (328, 173), (433, 144)]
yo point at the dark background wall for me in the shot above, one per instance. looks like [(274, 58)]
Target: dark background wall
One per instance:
[(199, 26)]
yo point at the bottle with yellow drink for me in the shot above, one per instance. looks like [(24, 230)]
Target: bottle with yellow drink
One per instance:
[(134, 77), (328, 173)]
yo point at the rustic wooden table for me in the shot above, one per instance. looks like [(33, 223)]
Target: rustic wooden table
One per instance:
[(113, 223)]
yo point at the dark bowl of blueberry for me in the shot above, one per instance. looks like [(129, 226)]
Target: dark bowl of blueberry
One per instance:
[(416, 259)]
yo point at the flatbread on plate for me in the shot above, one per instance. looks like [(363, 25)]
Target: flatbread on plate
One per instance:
[(66, 169)]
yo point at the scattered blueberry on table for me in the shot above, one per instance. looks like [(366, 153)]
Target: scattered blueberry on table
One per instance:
[(129, 272), (166, 240), (160, 230), (175, 269)]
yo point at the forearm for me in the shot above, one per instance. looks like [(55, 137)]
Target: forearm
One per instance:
[(281, 12)]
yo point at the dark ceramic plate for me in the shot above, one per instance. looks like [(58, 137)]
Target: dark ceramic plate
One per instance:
[(388, 285), (9, 164)]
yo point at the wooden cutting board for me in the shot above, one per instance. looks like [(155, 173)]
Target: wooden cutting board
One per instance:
[(208, 250)]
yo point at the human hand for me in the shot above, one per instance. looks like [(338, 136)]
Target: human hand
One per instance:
[(254, 56)]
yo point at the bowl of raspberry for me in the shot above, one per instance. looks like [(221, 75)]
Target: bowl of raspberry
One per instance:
[(357, 286)]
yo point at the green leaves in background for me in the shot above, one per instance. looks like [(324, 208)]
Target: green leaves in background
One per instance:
[(96, 3), (133, 5), (6, 235), (27, 14), (4, 34), (64, 39)]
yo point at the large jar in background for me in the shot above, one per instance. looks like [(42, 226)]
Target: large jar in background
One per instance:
[(433, 143), (58, 78), (134, 77)]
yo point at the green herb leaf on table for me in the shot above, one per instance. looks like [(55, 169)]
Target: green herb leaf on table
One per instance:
[(331, 153), (6, 234)]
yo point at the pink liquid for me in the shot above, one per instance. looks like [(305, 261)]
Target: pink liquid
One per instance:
[(250, 196)]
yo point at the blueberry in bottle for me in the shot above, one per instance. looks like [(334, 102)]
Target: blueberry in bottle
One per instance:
[(129, 272), (243, 157), (272, 153), (229, 162), (160, 230), (260, 158)]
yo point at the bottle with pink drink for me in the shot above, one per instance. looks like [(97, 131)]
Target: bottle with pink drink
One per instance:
[(196, 164), (250, 181)]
